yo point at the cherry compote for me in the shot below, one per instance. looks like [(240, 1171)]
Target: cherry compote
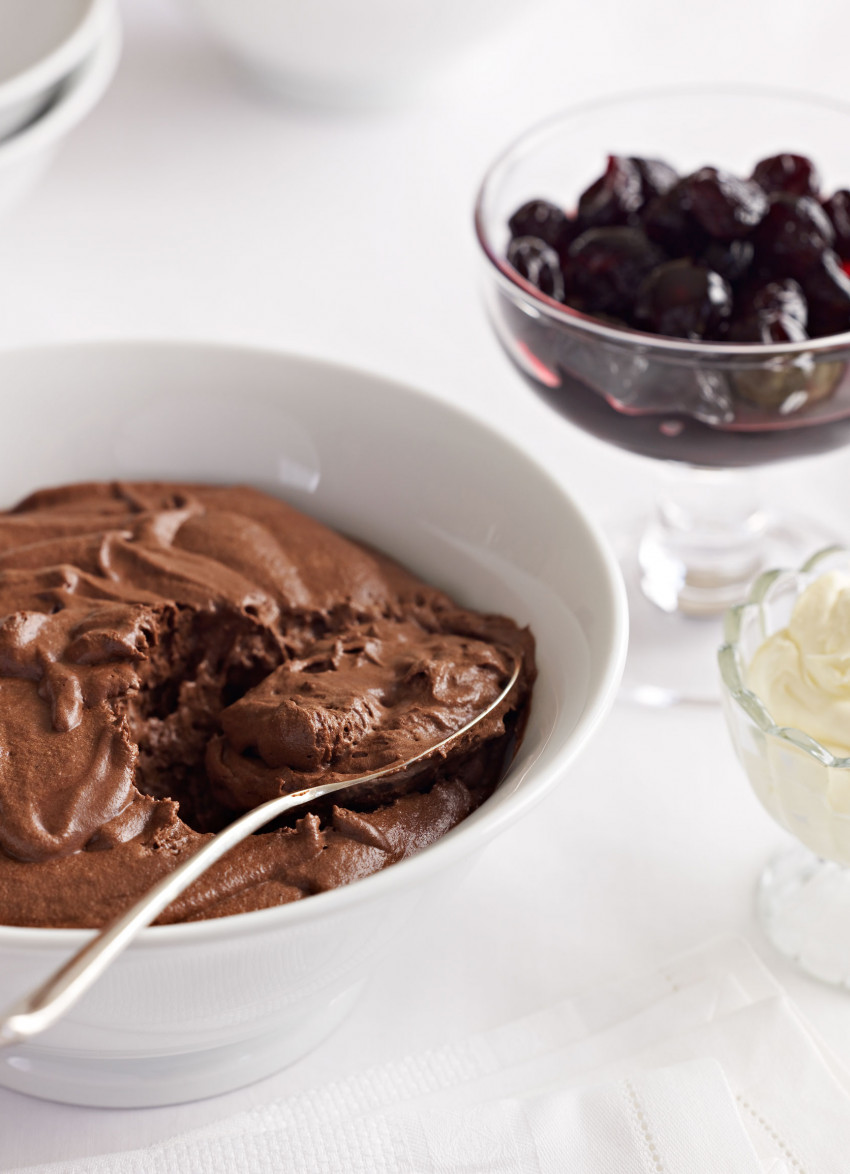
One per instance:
[(774, 224), (708, 257)]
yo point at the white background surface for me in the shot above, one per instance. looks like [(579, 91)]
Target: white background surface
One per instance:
[(189, 205)]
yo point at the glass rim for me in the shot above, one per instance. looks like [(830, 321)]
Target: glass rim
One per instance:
[(655, 344), (731, 666)]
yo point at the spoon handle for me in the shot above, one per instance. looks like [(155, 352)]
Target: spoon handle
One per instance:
[(43, 1007)]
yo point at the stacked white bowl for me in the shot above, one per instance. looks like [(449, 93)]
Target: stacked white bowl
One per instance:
[(56, 59)]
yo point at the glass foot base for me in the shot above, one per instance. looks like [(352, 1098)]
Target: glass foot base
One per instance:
[(672, 657), (803, 906)]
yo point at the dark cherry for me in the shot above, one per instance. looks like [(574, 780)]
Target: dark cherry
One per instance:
[(766, 326), (724, 205), (538, 263), (683, 300), (794, 174), (709, 256), (613, 199), (731, 259), (793, 235), (546, 222), (784, 297), (837, 208), (606, 266), (656, 177), (666, 221), (827, 290)]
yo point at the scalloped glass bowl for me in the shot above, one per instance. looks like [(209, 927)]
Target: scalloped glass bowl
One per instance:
[(803, 899)]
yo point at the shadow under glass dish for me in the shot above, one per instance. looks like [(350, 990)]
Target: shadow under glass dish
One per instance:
[(707, 410)]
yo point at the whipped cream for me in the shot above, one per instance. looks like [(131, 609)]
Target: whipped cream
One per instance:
[(802, 673)]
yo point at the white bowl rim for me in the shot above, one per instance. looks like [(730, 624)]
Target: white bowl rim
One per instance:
[(449, 847), (83, 92), (60, 61), (659, 345)]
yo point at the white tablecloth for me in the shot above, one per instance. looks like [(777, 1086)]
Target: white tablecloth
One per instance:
[(189, 206)]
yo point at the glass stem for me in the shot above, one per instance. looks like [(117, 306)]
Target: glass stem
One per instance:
[(705, 543)]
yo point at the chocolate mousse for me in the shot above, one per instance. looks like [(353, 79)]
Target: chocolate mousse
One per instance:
[(172, 655)]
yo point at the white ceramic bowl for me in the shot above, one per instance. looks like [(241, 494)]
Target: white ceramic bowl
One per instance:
[(41, 44), (192, 1010), (25, 156), (335, 51)]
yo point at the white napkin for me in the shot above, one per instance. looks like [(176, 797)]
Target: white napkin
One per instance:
[(655, 1121), (701, 1067)]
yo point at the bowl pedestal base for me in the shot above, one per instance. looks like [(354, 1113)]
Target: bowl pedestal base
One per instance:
[(676, 600), (803, 906)]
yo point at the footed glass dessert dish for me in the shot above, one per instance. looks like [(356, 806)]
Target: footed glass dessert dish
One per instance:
[(786, 654), (691, 305)]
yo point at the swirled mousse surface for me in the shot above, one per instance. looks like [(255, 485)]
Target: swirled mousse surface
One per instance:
[(172, 655)]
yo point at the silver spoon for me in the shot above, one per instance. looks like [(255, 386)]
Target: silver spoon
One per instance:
[(39, 1010)]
